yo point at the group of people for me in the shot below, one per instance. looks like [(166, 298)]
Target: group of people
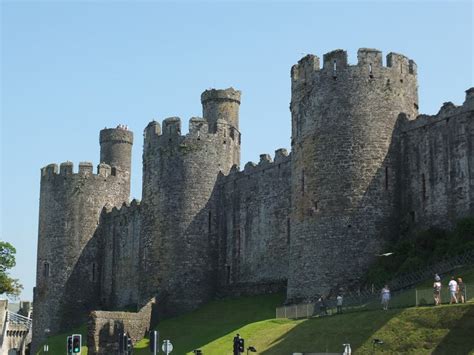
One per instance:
[(323, 308), (457, 290)]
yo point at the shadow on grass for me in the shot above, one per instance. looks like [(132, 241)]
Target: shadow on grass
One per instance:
[(327, 334), (213, 321), (460, 339)]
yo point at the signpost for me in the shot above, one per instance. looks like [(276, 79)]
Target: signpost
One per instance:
[(167, 347)]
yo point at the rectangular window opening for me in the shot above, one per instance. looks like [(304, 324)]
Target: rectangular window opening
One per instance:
[(423, 186), (94, 272), (228, 274), (302, 182), (288, 231), (46, 270)]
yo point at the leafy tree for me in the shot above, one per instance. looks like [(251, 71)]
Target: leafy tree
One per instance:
[(9, 286)]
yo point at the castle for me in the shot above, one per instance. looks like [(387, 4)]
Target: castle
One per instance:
[(363, 166)]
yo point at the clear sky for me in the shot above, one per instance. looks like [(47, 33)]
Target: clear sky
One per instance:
[(69, 69)]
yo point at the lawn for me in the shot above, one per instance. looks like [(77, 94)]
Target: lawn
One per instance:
[(446, 329)]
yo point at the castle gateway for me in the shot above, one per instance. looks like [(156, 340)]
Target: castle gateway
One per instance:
[(363, 164)]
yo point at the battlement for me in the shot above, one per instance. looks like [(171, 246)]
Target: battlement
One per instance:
[(125, 209), (229, 94), (265, 162), (447, 110), (369, 64), (169, 133), (66, 169)]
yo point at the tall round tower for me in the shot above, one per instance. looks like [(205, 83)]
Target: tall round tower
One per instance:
[(179, 252), (116, 149), (68, 263), (344, 164)]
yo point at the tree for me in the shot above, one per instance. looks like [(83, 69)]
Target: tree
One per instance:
[(9, 286)]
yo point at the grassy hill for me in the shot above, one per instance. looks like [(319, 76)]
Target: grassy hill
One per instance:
[(441, 330), (447, 329)]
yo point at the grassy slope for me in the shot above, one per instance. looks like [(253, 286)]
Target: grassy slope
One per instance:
[(440, 330)]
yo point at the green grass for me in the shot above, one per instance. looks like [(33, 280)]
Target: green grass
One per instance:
[(423, 330), (445, 329)]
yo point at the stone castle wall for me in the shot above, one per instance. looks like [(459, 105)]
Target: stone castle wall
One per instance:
[(437, 166), (120, 240), (253, 223)]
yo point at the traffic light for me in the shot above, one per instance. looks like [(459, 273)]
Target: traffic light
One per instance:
[(236, 344), (154, 341), (123, 343), (69, 344), (76, 343), (129, 345), (241, 345)]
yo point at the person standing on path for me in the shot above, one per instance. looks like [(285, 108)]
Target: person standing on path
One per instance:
[(437, 290), (385, 293), (461, 291), (339, 303), (453, 289)]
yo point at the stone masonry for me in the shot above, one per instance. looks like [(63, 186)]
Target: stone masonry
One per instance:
[(363, 166)]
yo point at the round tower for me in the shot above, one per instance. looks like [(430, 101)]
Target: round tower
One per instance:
[(116, 147), (344, 165), (221, 105), (68, 262), (178, 203)]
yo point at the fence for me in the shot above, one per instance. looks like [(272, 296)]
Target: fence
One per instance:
[(402, 296), (15, 318), (399, 299)]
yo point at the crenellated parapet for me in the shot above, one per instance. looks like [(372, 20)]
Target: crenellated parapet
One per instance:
[(127, 208), (169, 137), (86, 170), (281, 159), (445, 113), (369, 67)]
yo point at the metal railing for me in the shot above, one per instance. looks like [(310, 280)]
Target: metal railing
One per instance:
[(403, 295), (16, 318), (399, 299)]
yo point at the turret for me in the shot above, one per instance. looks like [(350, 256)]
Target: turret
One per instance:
[(344, 164), (178, 203), (68, 268), (221, 105), (116, 147)]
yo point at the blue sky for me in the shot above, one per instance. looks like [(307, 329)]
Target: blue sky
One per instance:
[(69, 69)]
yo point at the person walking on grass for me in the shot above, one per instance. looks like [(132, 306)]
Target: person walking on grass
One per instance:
[(385, 294), (437, 290), (453, 290), (339, 303), (461, 291)]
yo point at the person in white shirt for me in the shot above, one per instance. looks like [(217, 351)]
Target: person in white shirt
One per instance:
[(453, 289), (339, 303), (385, 293)]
